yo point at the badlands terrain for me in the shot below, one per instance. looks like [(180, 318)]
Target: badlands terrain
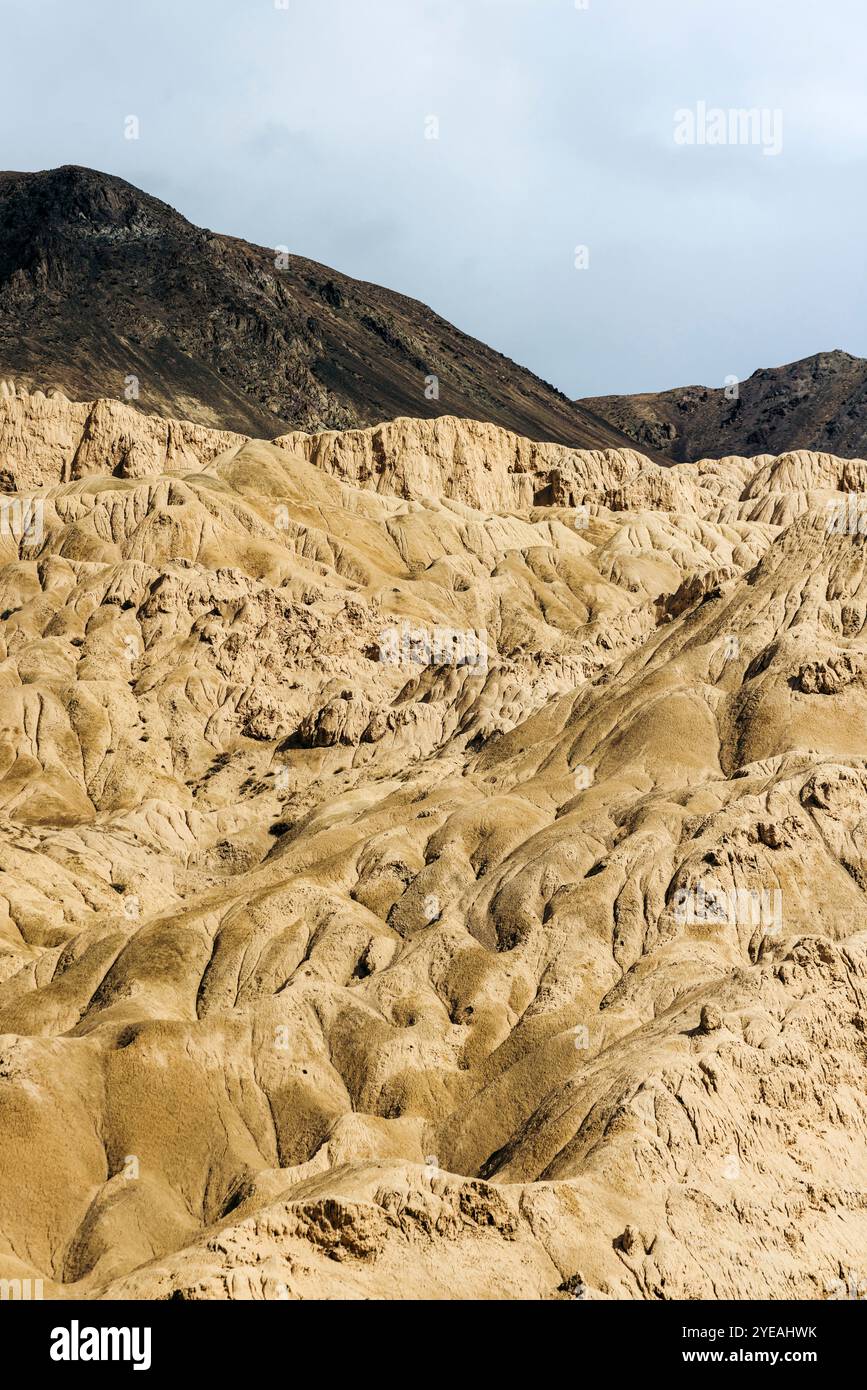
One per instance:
[(433, 864)]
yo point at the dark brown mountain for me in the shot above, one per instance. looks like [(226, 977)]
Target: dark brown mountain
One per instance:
[(819, 403), (100, 283)]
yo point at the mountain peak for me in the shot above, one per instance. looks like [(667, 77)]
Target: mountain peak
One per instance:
[(39, 205), (106, 291)]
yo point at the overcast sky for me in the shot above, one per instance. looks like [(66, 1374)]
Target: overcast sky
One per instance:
[(305, 126)]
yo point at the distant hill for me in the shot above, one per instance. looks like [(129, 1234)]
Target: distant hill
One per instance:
[(819, 403)]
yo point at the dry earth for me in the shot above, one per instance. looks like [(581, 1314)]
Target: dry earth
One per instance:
[(340, 960)]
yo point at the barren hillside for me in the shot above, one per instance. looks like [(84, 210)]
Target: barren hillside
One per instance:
[(432, 865), (106, 291), (819, 403)]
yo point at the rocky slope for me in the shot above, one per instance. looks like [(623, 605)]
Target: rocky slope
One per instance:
[(432, 865), (819, 403), (105, 291)]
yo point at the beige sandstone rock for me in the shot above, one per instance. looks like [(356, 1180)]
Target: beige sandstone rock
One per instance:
[(537, 969)]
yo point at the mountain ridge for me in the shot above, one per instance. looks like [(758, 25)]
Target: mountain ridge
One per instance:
[(817, 403), (106, 290)]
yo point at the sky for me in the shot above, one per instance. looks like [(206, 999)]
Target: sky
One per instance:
[(463, 151)]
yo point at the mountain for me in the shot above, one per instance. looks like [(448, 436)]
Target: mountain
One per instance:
[(819, 403), (100, 283), (433, 866)]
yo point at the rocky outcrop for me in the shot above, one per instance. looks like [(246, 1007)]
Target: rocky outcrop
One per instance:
[(47, 439)]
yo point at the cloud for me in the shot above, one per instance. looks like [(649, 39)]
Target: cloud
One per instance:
[(305, 126)]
